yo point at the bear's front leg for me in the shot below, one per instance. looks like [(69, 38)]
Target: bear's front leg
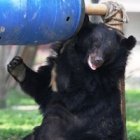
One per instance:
[(31, 82), (17, 68)]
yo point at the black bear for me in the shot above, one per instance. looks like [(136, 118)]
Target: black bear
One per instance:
[(78, 91)]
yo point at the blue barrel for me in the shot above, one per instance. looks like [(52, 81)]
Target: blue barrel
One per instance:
[(34, 22)]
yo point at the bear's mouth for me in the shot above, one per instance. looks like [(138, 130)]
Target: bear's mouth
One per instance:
[(95, 62)]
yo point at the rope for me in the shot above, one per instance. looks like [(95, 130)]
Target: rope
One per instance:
[(113, 8)]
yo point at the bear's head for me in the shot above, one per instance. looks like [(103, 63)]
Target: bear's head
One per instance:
[(103, 46)]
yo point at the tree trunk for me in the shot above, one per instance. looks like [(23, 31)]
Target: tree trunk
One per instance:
[(3, 92), (29, 54)]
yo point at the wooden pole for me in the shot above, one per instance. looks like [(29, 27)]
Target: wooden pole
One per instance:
[(123, 110), (95, 9), (116, 23)]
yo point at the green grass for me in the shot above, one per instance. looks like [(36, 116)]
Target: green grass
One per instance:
[(133, 114), (15, 124), (16, 97)]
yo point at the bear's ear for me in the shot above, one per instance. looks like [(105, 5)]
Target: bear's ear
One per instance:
[(129, 42)]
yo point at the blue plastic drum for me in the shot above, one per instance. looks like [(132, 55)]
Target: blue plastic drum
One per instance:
[(33, 22)]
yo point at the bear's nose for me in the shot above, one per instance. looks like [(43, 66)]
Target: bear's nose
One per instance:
[(98, 60)]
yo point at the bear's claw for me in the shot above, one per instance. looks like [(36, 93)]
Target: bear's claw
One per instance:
[(17, 68), (14, 63)]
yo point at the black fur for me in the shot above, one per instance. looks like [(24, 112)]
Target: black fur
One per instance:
[(86, 105)]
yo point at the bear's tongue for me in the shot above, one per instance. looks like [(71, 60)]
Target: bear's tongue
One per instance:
[(92, 66)]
